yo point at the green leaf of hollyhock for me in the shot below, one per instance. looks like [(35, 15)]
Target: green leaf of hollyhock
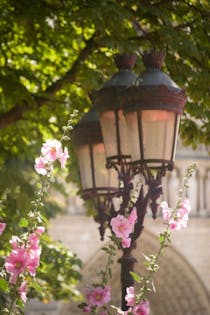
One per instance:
[(21, 304), (23, 223), (36, 287), (4, 285), (135, 277), (161, 238)]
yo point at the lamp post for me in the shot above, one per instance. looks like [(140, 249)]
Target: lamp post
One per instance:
[(139, 120)]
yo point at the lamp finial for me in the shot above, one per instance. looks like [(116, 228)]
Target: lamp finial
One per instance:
[(153, 59), (125, 61)]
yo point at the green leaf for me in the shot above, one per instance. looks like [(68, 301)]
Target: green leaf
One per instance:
[(21, 304), (4, 285), (36, 287), (23, 223), (161, 238), (135, 277)]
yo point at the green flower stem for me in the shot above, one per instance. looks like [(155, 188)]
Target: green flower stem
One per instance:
[(164, 237), (108, 310), (13, 302), (68, 127), (182, 192), (106, 274), (153, 266)]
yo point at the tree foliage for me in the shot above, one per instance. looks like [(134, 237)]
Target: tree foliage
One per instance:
[(53, 53)]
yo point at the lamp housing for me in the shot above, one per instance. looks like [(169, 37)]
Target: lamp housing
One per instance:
[(152, 108), (107, 102), (87, 139)]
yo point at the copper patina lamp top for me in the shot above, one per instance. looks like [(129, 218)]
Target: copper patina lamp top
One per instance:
[(154, 89)]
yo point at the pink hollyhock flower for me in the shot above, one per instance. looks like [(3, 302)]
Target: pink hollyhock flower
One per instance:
[(166, 210), (51, 149), (40, 230), (87, 309), (41, 165), (130, 296), (126, 242), (63, 157), (183, 220), (33, 241), (184, 208), (34, 252), (142, 308), (133, 217), (22, 290), (2, 227), (98, 296), (174, 225), (16, 263), (33, 262), (15, 242), (121, 226)]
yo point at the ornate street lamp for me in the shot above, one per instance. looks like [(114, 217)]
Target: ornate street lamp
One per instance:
[(139, 118)]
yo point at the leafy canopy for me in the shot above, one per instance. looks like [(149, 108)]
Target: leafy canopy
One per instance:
[(53, 53)]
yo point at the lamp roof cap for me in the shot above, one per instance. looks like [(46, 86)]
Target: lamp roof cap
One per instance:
[(125, 76), (153, 75)]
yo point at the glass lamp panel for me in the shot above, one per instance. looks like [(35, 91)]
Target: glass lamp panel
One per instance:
[(123, 131), (108, 126), (104, 178), (158, 134), (113, 124), (176, 136), (133, 135), (83, 154)]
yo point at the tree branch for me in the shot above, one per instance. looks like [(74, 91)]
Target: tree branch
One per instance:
[(16, 113)]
